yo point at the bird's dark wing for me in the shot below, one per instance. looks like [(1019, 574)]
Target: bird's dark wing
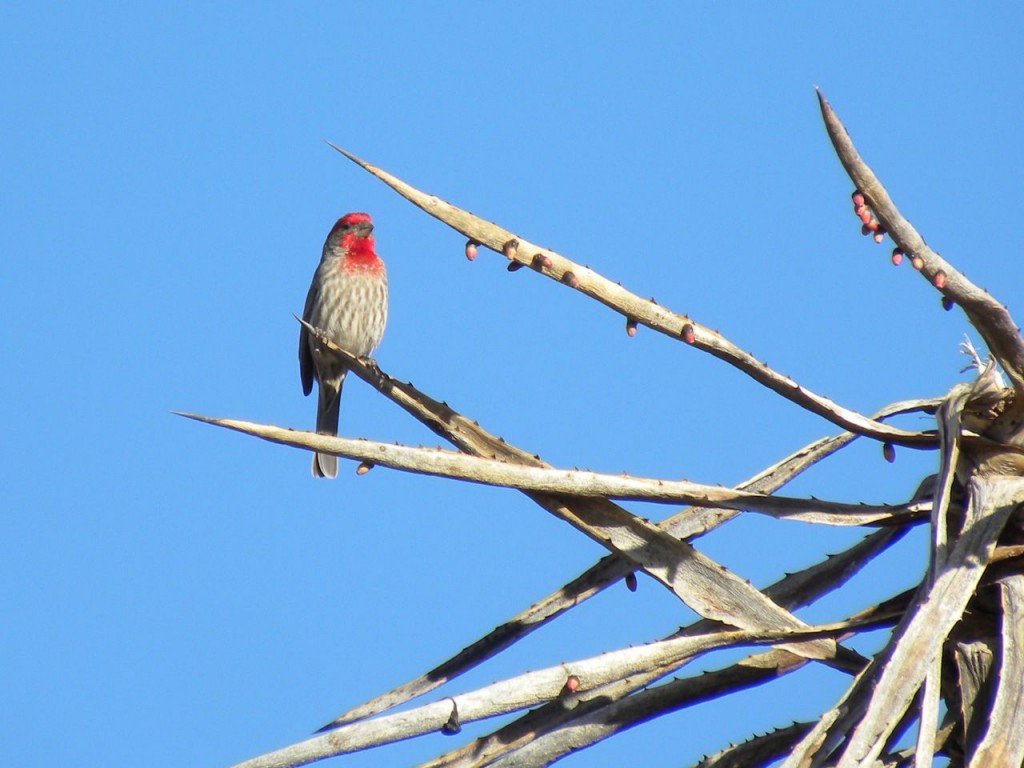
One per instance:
[(305, 356)]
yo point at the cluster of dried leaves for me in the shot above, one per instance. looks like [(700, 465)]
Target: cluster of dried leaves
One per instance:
[(957, 639)]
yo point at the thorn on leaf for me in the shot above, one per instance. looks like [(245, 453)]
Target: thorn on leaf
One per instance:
[(453, 725), (540, 261)]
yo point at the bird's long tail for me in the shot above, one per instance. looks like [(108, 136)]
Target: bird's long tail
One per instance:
[(325, 465)]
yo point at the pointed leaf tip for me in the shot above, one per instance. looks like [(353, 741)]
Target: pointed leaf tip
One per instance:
[(195, 417), (344, 152), (329, 727)]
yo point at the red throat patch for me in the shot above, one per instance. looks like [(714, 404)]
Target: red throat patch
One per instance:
[(359, 254)]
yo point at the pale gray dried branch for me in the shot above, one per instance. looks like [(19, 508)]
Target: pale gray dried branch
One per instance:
[(972, 654), (1003, 743), (684, 524), (875, 703), (568, 482), (634, 308), (610, 569), (705, 586), (949, 418), (526, 690), (991, 319), (548, 733), (856, 732)]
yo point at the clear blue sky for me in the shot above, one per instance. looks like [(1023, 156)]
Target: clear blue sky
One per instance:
[(178, 595)]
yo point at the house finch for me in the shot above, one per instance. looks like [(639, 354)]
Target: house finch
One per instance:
[(348, 300)]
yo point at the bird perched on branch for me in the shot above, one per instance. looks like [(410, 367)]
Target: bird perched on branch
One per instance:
[(348, 301)]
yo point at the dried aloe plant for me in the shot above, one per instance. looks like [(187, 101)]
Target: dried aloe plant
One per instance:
[(956, 643)]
